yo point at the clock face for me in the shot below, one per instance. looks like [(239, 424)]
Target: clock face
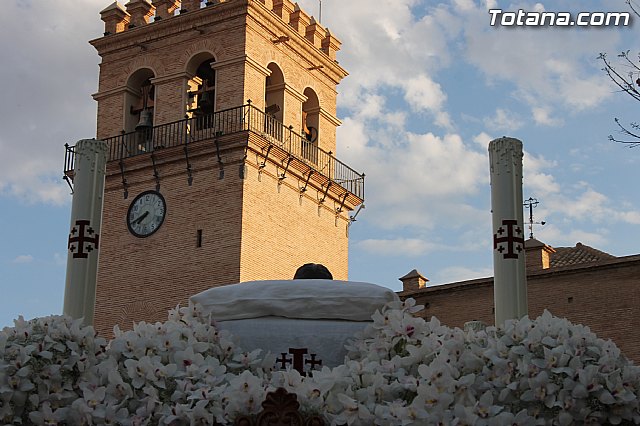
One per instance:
[(146, 213)]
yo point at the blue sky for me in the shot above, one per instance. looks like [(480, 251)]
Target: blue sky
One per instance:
[(430, 84)]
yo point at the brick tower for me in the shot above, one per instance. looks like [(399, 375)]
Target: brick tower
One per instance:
[(221, 126)]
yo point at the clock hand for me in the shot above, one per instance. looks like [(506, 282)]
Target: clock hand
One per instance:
[(141, 218)]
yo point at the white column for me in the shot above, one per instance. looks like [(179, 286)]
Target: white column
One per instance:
[(510, 280), (84, 235)]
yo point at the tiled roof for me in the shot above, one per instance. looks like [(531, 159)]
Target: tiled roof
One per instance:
[(565, 256)]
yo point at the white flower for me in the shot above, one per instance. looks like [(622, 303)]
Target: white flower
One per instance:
[(246, 360), (352, 412), (400, 370), (47, 416), (521, 418), (245, 392)]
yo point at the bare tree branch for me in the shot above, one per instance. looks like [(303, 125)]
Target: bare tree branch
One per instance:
[(634, 7), (628, 83), (634, 134)]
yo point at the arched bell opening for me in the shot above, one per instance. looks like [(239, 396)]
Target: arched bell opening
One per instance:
[(274, 102), (201, 90), (139, 102), (139, 111), (310, 125)]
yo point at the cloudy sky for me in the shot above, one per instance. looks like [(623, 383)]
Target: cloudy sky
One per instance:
[(430, 84)]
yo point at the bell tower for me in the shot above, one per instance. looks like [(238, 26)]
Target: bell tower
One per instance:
[(220, 119)]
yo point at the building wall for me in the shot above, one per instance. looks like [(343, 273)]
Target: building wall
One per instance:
[(283, 229), (141, 278), (604, 297)]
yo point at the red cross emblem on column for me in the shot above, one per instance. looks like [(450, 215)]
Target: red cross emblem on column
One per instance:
[(514, 242), (82, 239), (299, 360)]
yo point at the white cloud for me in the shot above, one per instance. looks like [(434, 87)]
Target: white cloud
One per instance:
[(443, 119), (390, 48), (567, 74), (464, 5), (48, 77), (631, 217), (416, 176), (59, 259), (423, 178), (543, 117), (589, 205), (535, 180), (396, 247), (574, 206), (482, 140), (461, 273), (422, 93), (23, 258), (34, 188), (504, 120), (563, 236)]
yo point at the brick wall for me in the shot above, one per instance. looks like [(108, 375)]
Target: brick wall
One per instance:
[(283, 229), (605, 297), (167, 267)]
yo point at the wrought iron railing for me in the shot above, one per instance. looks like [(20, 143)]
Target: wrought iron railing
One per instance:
[(234, 120), (69, 163)]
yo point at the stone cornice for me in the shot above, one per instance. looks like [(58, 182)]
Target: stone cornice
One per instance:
[(293, 92), (288, 89), (326, 115), (195, 21), (240, 60), (253, 63), (114, 92), (170, 77), (305, 51)]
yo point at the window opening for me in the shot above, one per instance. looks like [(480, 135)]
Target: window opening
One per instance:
[(201, 96), (139, 120), (274, 102), (310, 125)]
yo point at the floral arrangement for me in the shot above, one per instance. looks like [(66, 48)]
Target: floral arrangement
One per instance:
[(401, 370)]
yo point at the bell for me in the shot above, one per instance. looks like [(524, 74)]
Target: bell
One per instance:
[(205, 101), (146, 120)]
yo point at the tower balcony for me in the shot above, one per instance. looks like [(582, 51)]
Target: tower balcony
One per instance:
[(269, 138)]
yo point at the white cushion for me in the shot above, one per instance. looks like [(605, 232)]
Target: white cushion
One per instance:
[(309, 298)]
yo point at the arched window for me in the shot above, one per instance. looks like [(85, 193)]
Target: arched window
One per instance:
[(310, 125), (274, 102), (138, 114), (139, 101), (201, 90)]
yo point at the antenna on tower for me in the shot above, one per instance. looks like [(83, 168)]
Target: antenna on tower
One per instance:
[(320, 13), (532, 203)]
